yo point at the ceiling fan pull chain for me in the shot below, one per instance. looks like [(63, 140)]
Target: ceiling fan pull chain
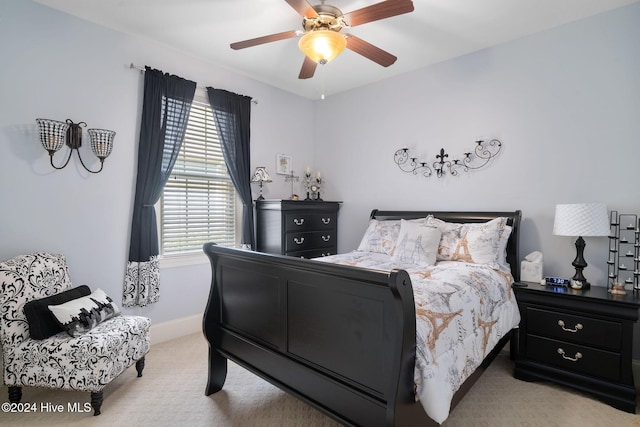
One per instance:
[(322, 81)]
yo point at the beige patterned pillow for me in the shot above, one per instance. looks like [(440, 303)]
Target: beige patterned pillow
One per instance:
[(476, 243), (381, 236), (417, 243)]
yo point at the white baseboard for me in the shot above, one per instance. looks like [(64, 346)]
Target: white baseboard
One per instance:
[(172, 329)]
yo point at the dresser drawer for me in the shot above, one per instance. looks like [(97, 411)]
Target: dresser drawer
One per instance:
[(305, 221), (577, 329), (314, 253), (311, 240), (578, 358)]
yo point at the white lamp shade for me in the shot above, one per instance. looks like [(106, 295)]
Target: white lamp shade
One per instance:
[(581, 219), (260, 175)]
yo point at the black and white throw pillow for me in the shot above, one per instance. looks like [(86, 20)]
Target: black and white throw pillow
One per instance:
[(42, 323), (82, 314)]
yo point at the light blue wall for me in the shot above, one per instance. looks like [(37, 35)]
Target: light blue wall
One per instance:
[(565, 103), (55, 66)]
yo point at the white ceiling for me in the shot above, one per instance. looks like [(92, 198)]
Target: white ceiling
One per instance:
[(435, 31)]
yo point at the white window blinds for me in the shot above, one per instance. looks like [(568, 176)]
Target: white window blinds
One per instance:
[(198, 203)]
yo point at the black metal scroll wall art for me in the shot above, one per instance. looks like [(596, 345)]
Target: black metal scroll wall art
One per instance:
[(480, 157)]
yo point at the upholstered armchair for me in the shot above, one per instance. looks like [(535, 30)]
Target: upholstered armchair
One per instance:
[(77, 357)]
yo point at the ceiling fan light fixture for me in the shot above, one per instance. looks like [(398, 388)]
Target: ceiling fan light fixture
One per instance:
[(322, 46)]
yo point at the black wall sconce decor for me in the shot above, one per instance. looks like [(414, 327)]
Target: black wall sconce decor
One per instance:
[(53, 134), (479, 158)]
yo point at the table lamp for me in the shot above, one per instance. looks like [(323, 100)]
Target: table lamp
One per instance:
[(260, 175), (581, 219)]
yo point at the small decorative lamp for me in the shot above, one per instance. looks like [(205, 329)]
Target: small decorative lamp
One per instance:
[(260, 176), (581, 219)]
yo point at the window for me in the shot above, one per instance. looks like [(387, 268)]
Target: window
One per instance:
[(198, 204)]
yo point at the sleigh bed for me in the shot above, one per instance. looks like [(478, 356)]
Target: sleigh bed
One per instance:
[(351, 336)]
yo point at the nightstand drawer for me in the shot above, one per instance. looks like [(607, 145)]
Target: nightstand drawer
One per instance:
[(578, 329), (587, 360), (312, 240), (305, 221)]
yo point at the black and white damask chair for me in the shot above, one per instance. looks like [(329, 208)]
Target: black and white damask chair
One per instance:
[(43, 349)]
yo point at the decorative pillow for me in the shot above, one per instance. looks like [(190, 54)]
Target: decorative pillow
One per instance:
[(381, 236), (417, 243), (470, 242), (42, 323), (502, 247), (80, 315)]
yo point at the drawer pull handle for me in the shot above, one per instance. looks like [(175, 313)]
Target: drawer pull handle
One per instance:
[(326, 221), (297, 221), (298, 241), (573, 359), (576, 329), (326, 238)]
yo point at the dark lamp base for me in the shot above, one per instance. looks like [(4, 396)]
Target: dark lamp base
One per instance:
[(580, 264)]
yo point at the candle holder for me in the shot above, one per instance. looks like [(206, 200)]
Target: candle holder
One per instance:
[(312, 186), (292, 178), (623, 264)]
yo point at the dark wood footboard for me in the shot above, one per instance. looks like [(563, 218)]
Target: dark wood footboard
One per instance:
[(340, 338)]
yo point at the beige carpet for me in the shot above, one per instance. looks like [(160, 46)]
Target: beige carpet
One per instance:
[(171, 393)]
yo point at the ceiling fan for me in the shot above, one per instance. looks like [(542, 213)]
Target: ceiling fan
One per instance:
[(322, 40)]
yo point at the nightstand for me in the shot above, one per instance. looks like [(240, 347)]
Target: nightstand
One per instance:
[(581, 339), (299, 228)]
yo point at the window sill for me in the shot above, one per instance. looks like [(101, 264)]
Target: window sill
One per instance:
[(183, 260)]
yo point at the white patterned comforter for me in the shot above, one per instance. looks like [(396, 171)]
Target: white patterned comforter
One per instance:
[(462, 311)]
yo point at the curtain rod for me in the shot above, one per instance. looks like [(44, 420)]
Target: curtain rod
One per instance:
[(141, 69)]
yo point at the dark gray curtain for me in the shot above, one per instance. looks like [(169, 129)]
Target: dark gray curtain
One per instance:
[(165, 111), (232, 114)]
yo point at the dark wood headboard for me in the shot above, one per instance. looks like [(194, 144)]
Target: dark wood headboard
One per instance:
[(513, 245)]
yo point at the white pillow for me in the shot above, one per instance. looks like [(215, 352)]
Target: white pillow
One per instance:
[(82, 314), (380, 236), (417, 244), (477, 243)]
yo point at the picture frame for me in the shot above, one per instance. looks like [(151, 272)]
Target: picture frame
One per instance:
[(283, 164)]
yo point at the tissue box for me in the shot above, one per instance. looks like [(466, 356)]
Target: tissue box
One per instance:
[(531, 271)]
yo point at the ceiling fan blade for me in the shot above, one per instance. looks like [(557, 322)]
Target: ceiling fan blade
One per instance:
[(384, 9), (308, 68), (303, 8), (264, 39), (370, 51)]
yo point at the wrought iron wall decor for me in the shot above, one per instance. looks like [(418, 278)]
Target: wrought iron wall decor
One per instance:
[(479, 158)]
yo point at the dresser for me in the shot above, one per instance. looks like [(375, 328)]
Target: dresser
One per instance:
[(299, 228), (581, 339)]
